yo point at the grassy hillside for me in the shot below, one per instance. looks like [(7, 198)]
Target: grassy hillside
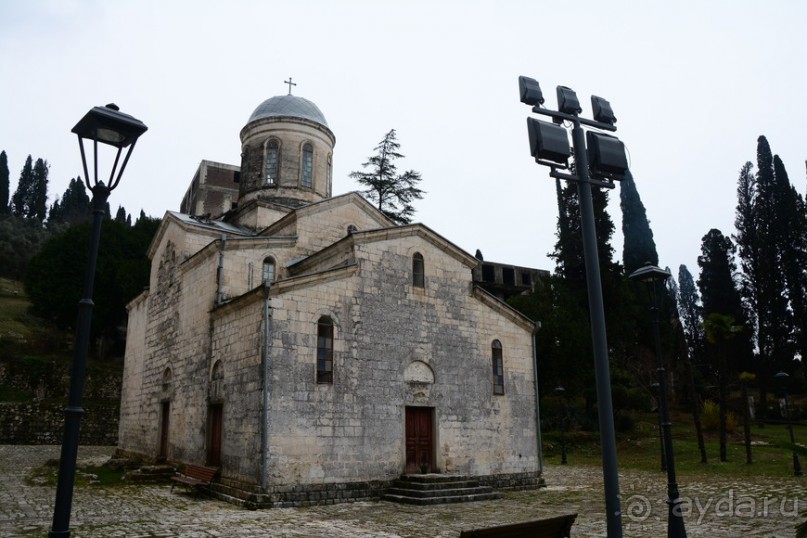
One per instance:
[(16, 327)]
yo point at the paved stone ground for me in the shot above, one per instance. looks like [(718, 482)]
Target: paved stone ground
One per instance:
[(760, 508)]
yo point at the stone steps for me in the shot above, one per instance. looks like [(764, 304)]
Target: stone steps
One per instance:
[(150, 474), (438, 489)]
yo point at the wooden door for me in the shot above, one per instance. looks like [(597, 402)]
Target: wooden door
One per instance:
[(165, 414), (419, 439), (215, 419)]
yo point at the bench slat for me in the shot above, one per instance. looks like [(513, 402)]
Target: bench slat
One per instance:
[(556, 527), (196, 475)]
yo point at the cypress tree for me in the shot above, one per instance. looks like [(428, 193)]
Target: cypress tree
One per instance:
[(793, 248), (4, 183), (638, 247), (120, 215), (20, 201), (74, 206), (39, 191), (690, 312), (719, 295)]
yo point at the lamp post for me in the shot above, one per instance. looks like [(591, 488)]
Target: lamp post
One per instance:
[(111, 127), (603, 162), (652, 275), (782, 378), (560, 392), (654, 388)]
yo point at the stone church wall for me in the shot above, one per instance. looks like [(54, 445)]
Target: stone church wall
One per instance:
[(353, 429), (350, 431)]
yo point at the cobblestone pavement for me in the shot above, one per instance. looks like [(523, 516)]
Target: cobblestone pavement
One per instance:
[(760, 508)]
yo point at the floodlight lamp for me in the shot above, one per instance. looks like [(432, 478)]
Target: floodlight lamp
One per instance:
[(530, 91), (567, 101), (602, 110), (549, 143), (606, 156)]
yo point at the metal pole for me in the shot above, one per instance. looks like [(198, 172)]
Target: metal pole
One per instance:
[(73, 411), (675, 518), (662, 452), (796, 463), (613, 512), (563, 410)]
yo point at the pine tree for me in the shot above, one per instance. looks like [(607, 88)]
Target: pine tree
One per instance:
[(21, 200), (639, 246), (391, 192), (4, 183)]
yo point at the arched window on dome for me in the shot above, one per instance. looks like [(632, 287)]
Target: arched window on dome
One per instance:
[(272, 168), (307, 179)]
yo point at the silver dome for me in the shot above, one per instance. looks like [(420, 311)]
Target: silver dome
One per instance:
[(288, 106)]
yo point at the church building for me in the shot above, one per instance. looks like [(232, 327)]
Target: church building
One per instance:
[(310, 348)]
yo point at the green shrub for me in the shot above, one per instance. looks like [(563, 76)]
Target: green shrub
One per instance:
[(710, 417)]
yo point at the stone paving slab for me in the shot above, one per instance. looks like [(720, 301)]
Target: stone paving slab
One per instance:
[(764, 507)]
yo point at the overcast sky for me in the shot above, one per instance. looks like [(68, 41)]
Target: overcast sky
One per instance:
[(692, 83)]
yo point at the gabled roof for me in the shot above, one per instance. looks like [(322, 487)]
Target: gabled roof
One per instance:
[(213, 228), (327, 205), (340, 251)]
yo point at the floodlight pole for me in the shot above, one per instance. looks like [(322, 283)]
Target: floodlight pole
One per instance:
[(569, 109), (602, 373)]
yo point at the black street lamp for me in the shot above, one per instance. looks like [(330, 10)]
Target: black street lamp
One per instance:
[(652, 275), (111, 127), (782, 379), (654, 388), (560, 392), (604, 162)]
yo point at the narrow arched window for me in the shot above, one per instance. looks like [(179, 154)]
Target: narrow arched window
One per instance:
[(268, 270), (325, 350), (167, 375), (330, 174), (218, 371), (418, 271), (272, 160), (308, 165), (498, 367)]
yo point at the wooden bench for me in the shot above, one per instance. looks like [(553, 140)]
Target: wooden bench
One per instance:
[(195, 476), (555, 527)]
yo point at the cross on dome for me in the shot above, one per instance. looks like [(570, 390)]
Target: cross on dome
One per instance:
[(290, 83)]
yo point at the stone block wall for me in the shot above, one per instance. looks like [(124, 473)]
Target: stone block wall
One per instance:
[(39, 418)]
